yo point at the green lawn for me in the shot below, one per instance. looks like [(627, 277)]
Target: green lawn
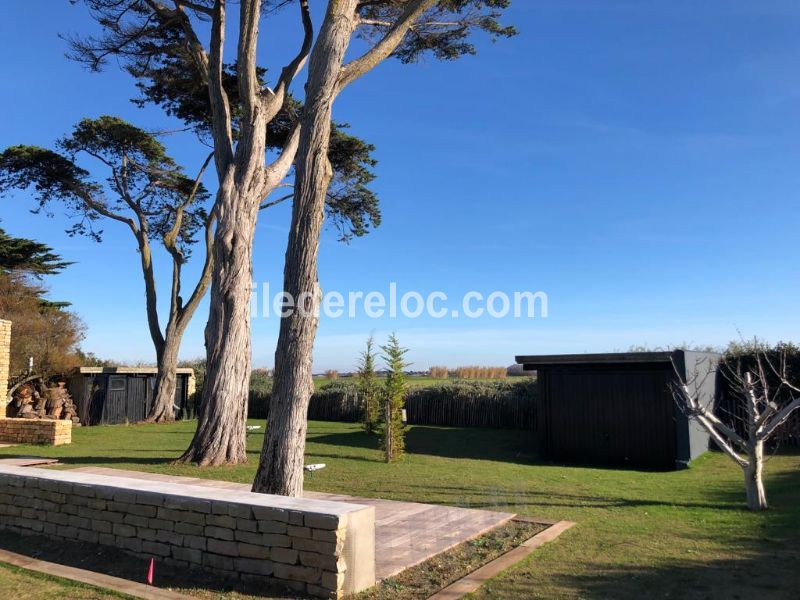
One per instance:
[(640, 534), (21, 584)]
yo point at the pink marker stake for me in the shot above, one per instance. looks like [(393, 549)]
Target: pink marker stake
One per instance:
[(150, 572)]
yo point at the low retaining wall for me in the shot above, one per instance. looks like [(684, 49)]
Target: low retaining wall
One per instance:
[(321, 548), (35, 431)]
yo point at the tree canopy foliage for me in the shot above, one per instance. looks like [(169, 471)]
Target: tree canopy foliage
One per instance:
[(154, 48), (157, 42), (40, 328), (45, 331), (443, 30), (143, 187), (30, 256)]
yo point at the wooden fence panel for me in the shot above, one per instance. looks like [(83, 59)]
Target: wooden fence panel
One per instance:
[(505, 405)]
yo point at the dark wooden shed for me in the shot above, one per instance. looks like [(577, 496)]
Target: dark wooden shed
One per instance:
[(110, 395), (617, 409)]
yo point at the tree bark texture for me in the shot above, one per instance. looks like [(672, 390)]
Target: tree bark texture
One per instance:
[(753, 478), (280, 469), (220, 435), (163, 408), (180, 314), (244, 181)]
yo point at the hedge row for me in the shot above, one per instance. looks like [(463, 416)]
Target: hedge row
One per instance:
[(502, 404)]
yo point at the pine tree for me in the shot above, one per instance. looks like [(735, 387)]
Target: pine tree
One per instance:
[(368, 387), (28, 256), (394, 396)]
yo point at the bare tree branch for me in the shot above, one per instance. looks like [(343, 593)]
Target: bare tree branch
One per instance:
[(211, 69), (390, 41), (249, 12), (279, 168), (272, 203), (204, 280), (195, 7), (779, 418), (291, 70)]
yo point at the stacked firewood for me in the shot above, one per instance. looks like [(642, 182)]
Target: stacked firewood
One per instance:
[(34, 400)]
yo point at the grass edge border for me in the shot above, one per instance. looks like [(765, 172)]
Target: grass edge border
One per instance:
[(91, 578), (472, 581)]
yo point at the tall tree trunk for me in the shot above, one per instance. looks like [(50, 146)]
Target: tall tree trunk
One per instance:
[(163, 409), (179, 317), (220, 436), (388, 436), (753, 478), (280, 469)]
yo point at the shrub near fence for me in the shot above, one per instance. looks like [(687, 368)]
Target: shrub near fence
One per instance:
[(505, 405)]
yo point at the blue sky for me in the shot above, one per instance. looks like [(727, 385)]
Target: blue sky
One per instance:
[(637, 161)]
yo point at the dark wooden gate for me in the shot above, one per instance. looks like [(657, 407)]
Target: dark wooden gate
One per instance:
[(116, 401), (137, 399)]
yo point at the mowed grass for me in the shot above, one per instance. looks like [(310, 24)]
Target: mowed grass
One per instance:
[(21, 584), (640, 534)]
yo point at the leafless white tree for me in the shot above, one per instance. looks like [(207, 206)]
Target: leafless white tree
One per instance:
[(767, 398)]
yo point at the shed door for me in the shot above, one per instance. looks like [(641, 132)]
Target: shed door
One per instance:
[(96, 399), (115, 407), (611, 416), (137, 399), (180, 397)]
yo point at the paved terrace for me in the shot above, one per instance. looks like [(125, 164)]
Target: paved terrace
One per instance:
[(406, 533)]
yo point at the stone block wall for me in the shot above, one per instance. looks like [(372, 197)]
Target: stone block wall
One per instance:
[(5, 359), (319, 548), (35, 431)]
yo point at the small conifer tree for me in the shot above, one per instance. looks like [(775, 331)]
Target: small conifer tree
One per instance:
[(368, 387), (394, 396)]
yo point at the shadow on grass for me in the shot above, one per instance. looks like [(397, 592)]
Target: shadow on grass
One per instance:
[(333, 455), (447, 442), (758, 561), (504, 445), (100, 461), (507, 497), (783, 493), (767, 572), (115, 562)]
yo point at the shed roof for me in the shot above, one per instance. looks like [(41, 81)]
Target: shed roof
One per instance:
[(128, 370), (544, 360)]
